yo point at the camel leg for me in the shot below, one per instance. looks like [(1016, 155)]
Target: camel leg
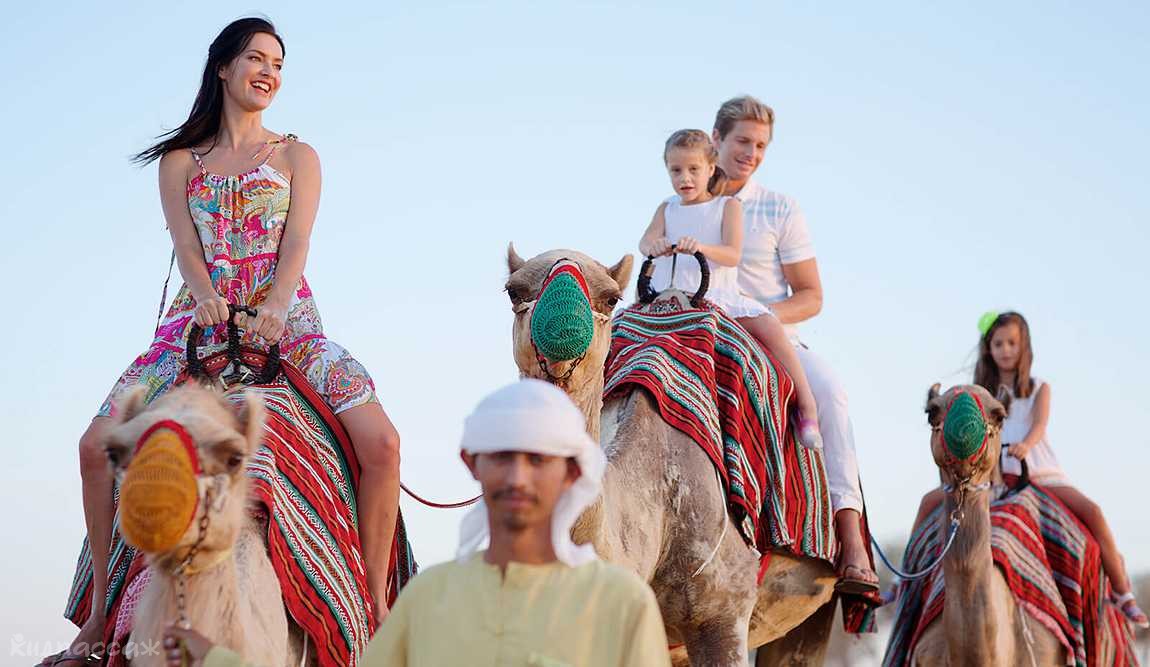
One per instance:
[(717, 643), (804, 645)]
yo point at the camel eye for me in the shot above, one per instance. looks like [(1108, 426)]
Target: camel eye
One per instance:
[(114, 454), (613, 301), (512, 294), (234, 462)]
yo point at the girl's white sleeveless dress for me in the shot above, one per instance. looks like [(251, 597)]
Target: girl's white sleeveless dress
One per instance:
[(704, 223), (1040, 460)]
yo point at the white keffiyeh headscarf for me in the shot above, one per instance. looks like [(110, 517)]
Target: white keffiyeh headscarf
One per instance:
[(534, 416)]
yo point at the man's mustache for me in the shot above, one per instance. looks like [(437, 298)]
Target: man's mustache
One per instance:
[(514, 494)]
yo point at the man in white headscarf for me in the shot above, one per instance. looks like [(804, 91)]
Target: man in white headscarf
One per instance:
[(531, 597)]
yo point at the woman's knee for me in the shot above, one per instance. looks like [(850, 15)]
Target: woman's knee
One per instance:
[(1091, 514), (380, 451), (92, 455)]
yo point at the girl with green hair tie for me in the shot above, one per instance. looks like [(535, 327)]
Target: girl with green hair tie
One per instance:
[(1004, 359)]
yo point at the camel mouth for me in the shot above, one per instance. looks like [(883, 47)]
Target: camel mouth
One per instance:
[(562, 322), (159, 493)]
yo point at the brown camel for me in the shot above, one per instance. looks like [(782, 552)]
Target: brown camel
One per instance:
[(232, 595), (980, 623), (662, 511)]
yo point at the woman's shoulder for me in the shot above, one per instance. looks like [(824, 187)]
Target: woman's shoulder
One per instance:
[(179, 161), (297, 153)]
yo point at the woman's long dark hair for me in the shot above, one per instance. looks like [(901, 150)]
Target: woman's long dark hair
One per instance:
[(203, 122)]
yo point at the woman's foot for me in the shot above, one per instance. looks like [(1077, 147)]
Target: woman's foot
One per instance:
[(1131, 610), (81, 651)]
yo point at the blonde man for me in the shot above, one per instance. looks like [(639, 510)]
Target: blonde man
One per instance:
[(778, 269)]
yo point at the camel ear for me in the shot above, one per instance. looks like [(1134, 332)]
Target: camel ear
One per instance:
[(621, 272), (252, 416), (514, 261), (933, 409), (131, 403)]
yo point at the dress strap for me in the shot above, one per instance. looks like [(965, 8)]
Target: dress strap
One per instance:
[(199, 161), (274, 145)]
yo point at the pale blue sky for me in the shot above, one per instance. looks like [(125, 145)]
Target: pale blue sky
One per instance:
[(950, 160)]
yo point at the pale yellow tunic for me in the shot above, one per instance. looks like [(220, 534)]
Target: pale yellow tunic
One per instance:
[(538, 616)]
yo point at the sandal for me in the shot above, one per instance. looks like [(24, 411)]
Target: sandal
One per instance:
[(808, 432), (1130, 609), (858, 584), (92, 659)]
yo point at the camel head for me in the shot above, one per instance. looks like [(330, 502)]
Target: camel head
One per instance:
[(966, 425), (562, 300), (176, 459)]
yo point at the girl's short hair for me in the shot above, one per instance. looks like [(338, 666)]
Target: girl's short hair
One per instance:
[(740, 108), (698, 140), (986, 371)]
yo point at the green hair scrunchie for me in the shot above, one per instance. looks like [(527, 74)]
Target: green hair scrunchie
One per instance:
[(562, 324), (965, 428), (986, 321)]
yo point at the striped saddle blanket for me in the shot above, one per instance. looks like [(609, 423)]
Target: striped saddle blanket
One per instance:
[(304, 479), (1052, 565), (715, 383)]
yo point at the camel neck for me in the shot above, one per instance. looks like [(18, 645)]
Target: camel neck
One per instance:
[(588, 396), (972, 614)]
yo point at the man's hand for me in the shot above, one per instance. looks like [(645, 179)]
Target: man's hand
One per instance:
[(196, 644)]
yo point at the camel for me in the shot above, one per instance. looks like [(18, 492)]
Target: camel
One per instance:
[(232, 595), (980, 623), (663, 512)]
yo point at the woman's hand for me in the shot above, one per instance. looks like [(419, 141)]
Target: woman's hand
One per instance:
[(687, 246), (271, 320), (196, 644), (211, 311)]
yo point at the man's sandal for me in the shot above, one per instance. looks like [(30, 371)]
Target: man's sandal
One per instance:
[(1129, 607), (856, 585)]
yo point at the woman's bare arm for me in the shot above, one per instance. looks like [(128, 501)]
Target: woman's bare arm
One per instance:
[(293, 248), (175, 169)]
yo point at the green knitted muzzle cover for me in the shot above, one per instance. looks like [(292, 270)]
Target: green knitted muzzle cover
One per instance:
[(562, 324), (965, 428)]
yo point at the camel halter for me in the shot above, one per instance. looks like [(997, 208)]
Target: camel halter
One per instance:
[(965, 439), (160, 493), (562, 321)]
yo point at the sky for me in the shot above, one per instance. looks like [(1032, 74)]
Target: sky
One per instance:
[(950, 160)]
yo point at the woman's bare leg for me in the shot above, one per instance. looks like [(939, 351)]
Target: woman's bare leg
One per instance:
[(96, 490), (376, 444)]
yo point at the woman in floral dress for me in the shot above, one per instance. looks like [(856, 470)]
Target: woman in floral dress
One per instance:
[(240, 202)]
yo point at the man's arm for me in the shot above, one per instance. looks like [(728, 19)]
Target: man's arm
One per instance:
[(388, 648), (806, 299)]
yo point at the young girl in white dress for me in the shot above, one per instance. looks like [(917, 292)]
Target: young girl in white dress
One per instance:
[(696, 219), (1004, 361), (1004, 358)]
